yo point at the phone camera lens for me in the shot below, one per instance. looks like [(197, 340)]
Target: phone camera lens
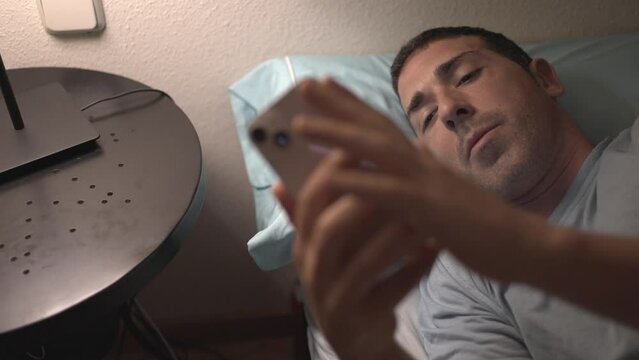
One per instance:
[(258, 135), (281, 139)]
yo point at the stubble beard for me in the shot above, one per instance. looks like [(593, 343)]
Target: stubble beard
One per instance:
[(512, 166)]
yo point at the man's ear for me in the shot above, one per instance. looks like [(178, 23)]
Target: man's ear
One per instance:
[(546, 77)]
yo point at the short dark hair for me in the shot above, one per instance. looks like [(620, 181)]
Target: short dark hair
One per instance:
[(494, 41)]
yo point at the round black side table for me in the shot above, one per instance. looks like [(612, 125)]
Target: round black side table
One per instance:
[(82, 236)]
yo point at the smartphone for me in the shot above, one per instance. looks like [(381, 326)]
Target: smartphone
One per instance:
[(291, 156)]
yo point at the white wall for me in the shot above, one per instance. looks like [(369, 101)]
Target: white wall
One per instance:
[(195, 48)]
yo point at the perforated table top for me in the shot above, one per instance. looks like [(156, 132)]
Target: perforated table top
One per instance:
[(81, 236)]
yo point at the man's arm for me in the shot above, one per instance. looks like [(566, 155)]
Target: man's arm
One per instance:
[(597, 271), (484, 232)]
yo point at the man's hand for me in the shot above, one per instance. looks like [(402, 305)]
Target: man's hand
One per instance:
[(343, 251)]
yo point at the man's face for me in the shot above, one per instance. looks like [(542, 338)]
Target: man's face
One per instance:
[(480, 114)]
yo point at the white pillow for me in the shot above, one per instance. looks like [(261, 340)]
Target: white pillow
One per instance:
[(600, 75)]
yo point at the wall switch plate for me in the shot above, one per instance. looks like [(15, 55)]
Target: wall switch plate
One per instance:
[(71, 16)]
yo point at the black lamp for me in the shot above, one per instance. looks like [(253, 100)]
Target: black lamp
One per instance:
[(44, 125), (10, 99)]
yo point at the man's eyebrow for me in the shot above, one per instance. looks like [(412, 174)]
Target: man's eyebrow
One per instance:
[(415, 102), (441, 71)]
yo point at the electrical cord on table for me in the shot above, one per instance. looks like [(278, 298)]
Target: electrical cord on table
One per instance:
[(264, 187), (125, 94)]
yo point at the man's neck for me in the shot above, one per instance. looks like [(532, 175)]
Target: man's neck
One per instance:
[(544, 197)]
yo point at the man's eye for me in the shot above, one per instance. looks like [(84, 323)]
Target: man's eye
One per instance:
[(427, 120), (469, 77)]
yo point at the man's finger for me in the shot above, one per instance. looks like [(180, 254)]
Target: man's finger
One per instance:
[(315, 196), (331, 99), (337, 87), (376, 257), (392, 193), (393, 153), (341, 225), (279, 190)]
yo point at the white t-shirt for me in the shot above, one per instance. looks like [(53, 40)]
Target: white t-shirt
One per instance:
[(464, 315)]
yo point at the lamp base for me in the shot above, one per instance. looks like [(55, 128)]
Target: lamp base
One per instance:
[(53, 126)]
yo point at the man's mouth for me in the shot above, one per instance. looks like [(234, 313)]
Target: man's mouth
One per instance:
[(475, 137)]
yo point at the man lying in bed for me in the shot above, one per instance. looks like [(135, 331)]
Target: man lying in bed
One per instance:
[(502, 181)]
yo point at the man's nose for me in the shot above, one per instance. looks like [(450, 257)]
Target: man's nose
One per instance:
[(454, 113)]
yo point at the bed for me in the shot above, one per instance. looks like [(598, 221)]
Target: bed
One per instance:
[(602, 94)]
